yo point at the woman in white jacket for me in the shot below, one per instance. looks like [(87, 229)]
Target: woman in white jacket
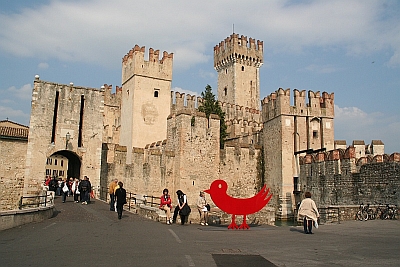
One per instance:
[(308, 210), (75, 190)]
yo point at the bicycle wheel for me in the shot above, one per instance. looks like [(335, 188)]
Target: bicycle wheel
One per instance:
[(365, 215), (362, 216), (371, 214), (390, 214), (359, 215)]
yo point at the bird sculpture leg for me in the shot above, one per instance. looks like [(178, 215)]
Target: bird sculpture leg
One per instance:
[(233, 224), (244, 224)]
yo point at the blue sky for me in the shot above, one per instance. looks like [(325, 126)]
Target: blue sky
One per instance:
[(349, 47)]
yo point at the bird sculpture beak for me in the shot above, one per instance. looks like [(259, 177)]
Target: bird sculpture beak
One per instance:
[(207, 191)]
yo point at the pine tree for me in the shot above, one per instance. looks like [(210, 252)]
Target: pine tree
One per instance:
[(211, 106)]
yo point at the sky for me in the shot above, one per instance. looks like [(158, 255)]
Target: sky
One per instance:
[(347, 47)]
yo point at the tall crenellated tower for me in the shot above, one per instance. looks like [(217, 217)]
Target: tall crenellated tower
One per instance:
[(145, 105), (289, 130), (237, 61)]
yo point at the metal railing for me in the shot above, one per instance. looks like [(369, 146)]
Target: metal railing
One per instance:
[(36, 201), (133, 198), (326, 214)]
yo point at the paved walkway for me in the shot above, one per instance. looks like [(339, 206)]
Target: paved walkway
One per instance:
[(83, 235)]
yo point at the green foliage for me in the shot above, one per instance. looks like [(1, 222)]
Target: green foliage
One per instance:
[(211, 106)]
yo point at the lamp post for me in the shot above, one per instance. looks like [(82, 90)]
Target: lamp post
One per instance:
[(67, 138)]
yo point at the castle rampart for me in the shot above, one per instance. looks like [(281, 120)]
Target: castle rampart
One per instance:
[(235, 48), (134, 63), (278, 103), (339, 177)]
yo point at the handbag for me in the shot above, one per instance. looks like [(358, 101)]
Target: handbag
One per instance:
[(65, 188), (185, 211)]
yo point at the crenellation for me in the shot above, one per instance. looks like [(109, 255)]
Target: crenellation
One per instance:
[(134, 63)]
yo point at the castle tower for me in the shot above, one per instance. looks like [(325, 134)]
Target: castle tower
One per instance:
[(289, 130), (145, 104), (237, 62)]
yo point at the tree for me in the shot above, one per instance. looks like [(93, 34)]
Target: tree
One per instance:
[(211, 106)]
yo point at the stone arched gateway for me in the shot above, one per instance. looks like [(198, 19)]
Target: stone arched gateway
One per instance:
[(64, 164)]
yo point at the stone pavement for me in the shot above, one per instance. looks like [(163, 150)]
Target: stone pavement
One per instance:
[(80, 235)]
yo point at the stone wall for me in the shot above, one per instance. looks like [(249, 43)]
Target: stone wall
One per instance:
[(344, 181), (13, 155)]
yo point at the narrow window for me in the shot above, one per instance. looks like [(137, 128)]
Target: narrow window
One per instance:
[(81, 121), (53, 131), (55, 162), (315, 134), (242, 68), (62, 163), (225, 91), (156, 92), (296, 184)]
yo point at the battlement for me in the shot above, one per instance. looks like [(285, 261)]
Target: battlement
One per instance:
[(278, 103), (134, 63), (110, 98), (238, 49)]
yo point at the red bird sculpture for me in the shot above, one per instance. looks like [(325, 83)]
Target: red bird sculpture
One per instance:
[(237, 206)]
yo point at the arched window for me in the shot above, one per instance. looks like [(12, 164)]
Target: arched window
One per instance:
[(242, 68)]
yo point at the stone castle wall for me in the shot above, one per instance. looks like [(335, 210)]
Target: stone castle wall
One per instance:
[(12, 158), (339, 178)]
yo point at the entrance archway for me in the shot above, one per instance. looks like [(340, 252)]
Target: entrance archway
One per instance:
[(74, 163)]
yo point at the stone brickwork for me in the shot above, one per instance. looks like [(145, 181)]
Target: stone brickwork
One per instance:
[(338, 178), (76, 111), (13, 155), (237, 61), (146, 87), (287, 131)]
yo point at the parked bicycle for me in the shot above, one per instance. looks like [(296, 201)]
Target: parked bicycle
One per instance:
[(389, 213), (362, 213)]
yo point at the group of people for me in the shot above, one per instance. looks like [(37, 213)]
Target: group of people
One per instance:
[(307, 210), (182, 208), (79, 189)]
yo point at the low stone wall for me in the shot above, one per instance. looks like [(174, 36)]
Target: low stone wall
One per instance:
[(14, 218), (216, 216)]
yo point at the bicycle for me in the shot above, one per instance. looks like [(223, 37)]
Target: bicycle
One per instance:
[(362, 213), (391, 212)]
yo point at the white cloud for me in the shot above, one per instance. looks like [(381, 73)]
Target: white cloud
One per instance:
[(14, 115), (352, 123), (97, 30), (321, 68), (43, 65), (184, 91), (23, 93)]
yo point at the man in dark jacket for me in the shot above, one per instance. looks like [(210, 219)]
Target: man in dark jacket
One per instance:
[(84, 188), (120, 197)]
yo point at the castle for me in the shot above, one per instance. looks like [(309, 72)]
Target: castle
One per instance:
[(151, 138)]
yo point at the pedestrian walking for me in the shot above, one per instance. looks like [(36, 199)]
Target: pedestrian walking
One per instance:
[(309, 212), (64, 189), (111, 190), (120, 198)]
